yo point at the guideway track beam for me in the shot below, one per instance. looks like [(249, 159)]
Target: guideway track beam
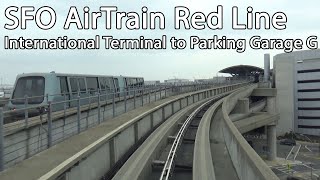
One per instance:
[(169, 164), (139, 165)]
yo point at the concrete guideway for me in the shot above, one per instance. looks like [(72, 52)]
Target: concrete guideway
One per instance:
[(203, 168), (248, 110), (109, 140), (217, 133), (139, 165), (223, 134), (247, 162), (255, 121), (24, 138), (244, 164)]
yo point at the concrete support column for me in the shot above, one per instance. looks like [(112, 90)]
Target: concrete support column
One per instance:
[(266, 67), (271, 130), (271, 105), (272, 142)]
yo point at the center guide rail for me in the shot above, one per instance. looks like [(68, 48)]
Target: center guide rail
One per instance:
[(169, 164)]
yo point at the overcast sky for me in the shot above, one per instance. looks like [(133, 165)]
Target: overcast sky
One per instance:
[(303, 21)]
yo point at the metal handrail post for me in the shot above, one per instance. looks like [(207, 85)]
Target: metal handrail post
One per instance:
[(125, 100), (26, 113), (142, 96), (1, 141), (113, 104), (78, 115), (99, 109), (49, 124), (134, 98), (149, 94), (64, 108), (155, 93), (165, 91)]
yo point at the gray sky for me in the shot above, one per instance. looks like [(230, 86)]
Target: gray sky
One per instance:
[(303, 21)]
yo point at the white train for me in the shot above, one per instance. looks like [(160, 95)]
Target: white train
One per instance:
[(40, 88)]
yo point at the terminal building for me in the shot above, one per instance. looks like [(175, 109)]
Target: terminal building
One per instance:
[(297, 79), (243, 72)]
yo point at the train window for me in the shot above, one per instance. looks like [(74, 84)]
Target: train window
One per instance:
[(138, 82), (116, 82), (74, 85), (63, 85), (109, 83), (102, 83), (134, 82), (128, 80), (92, 84), (32, 86), (82, 85)]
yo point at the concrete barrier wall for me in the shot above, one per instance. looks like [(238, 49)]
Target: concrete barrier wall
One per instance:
[(23, 142), (157, 117), (113, 146), (100, 158), (248, 164), (202, 159), (144, 126)]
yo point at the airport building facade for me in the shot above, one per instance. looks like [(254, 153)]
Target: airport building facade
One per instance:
[(297, 79)]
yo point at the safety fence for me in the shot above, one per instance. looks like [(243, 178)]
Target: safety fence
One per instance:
[(31, 129), (105, 153)]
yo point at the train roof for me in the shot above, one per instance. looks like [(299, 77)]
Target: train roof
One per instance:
[(70, 75)]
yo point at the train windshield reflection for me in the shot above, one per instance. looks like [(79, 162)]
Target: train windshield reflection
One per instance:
[(32, 86)]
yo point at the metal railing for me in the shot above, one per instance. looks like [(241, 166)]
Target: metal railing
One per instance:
[(156, 115), (59, 120), (6, 92)]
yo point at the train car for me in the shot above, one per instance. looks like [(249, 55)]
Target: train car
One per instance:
[(40, 88), (132, 83)]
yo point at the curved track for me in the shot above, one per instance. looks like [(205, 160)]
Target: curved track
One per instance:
[(182, 146), (168, 152), (205, 145)]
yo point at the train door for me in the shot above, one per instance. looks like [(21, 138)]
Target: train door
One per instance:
[(77, 88), (127, 86), (82, 89), (110, 87), (132, 85), (103, 88), (73, 90), (116, 86), (93, 88), (64, 90), (138, 86)]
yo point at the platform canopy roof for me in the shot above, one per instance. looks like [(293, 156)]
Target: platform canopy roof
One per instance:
[(242, 70)]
